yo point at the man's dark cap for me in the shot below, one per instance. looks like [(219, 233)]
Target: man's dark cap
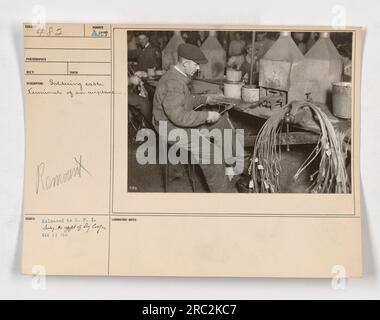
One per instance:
[(191, 52)]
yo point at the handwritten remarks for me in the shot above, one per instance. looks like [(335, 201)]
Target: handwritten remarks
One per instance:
[(64, 227), (69, 88), (45, 182)]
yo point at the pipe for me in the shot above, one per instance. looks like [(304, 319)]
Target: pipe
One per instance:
[(252, 57)]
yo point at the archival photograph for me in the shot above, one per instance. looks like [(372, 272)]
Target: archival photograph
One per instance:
[(239, 111)]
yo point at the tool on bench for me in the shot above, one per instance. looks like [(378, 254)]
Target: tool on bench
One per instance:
[(220, 107)]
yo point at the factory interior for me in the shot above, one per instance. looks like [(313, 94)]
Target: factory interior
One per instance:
[(291, 92)]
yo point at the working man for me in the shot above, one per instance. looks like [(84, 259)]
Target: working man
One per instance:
[(237, 45), (243, 63), (138, 99), (147, 55), (174, 105)]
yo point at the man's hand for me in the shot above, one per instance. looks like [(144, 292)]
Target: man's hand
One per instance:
[(134, 80), (213, 116), (212, 100)]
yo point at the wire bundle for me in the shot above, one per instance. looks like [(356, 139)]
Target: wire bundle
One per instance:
[(265, 166), (331, 175), (331, 149)]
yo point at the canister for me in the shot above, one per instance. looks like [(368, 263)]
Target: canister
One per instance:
[(342, 99), (233, 90), (250, 93)]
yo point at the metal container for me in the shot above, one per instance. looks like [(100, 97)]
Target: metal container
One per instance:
[(324, 66), (233, 75), (216, 56), (233, 90), (282, 69), (342, 99), (169, 54), (250, 93)]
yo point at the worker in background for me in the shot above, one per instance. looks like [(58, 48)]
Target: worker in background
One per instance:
[(185, 36), (193, 37), (237, 45), (298, 38), (155, 40), (223, 39), (148, 55), (201, 37), (246, 65), (138, 98), (313, 38), (243, 63), (346, 53), (264, 41), (132, 46), (174, 105)]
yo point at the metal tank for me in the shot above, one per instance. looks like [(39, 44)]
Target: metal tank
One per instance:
[(216, 56), (169, 54), (282, 71), (324, 67)]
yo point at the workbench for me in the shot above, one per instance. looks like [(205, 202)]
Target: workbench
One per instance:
[(310, 129)]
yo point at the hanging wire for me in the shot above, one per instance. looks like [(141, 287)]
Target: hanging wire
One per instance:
[(331, 149)]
